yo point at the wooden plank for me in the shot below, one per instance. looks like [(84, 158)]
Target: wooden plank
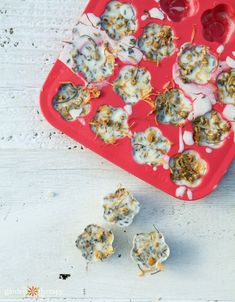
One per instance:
[(29, 173), (54, 197)]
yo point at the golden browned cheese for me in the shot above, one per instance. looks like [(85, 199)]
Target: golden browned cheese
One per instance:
[(210, 129), (187, 167)]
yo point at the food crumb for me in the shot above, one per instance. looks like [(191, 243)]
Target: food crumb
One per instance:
[(64, 276), (52, 194)]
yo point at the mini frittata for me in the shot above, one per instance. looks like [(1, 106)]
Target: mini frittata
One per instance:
[(150, 147), (210, 129), (120, 207), (94, 61), (95, 243), (196, 64), (133, 84), (73, 101), (110, 124), (226, 86), (157, 42), (187, 168), (150, 251), (119, 20), (172, 107)]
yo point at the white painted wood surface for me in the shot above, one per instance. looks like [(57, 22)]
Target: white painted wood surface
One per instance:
[(51, 188)]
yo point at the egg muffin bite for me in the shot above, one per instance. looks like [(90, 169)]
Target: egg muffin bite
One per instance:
[(149, 251), (133, 84), (226, 87), (196, 64), (172, 107), (150, 147), (210, 129), (73, 101), (94, 61), (110, 124), (120, 207), (119, 20), (187, 168), (95, 243), (157, 42)]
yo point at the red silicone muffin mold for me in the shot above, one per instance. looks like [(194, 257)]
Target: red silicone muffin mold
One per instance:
[(151, 50)]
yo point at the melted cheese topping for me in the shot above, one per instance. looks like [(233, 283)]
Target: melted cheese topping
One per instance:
[(187, 168), (110, 124), (128, 51), (120, 207), (226, 87), (150, 147), (210, 129), (95, 243), (196, 64), (94, 61), (133, 84), (149, 251), (73, 101), (172, 107), (157, 42), (118, 20)]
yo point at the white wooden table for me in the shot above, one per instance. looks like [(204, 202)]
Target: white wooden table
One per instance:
[(51, 188)]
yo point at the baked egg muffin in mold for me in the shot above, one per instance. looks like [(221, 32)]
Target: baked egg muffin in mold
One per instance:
[(172, 107), (187, 168), (93, 61), (196, 64), (210, 129), (157, 42), (95, 243), (149, 251), (73, 101), (133, 84), (110, 124), (120, 207), (150, 147), (226, 87), (119, 20)]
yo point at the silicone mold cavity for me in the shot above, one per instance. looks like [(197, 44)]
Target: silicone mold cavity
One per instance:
[(177, 10), (218, 24)]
